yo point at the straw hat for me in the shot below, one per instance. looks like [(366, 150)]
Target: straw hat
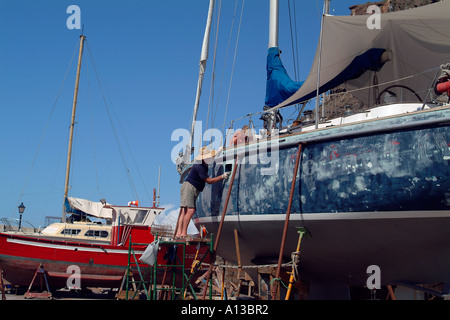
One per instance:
[(205, 153)]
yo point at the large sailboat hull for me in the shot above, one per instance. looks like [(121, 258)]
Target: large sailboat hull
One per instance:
[(374, 192)]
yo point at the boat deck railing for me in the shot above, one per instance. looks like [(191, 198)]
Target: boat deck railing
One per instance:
[(12, 225)]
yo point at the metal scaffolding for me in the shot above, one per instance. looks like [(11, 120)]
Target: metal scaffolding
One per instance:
[(170, 277)]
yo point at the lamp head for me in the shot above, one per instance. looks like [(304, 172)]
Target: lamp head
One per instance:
[(21, 208)]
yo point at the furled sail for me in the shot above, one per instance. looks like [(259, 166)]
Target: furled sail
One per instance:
[(279, 85), (417, 41)]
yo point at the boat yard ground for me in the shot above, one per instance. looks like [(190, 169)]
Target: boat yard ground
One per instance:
[(67, 295)]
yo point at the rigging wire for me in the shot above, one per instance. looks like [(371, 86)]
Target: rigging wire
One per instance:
[(150, 198), (296, 42), (92, 130), (46, 126), (294, 52), (234, 62), (127, 170), (225, 62), (211, 89), (318, 10), (129, 147)]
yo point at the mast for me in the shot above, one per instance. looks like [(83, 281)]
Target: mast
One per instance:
[(72, 125), (270, 119), (273, 24), (326, 5), (203, 59), (326, 11)]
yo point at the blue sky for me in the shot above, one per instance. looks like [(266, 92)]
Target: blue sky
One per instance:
[(147, 54)]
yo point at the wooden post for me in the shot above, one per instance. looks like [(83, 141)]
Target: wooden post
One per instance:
[(223, 291), (286, 223), (238, 254), (2, 285)]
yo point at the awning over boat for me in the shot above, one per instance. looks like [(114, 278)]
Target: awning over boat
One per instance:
[(95, 209), (417, 40)]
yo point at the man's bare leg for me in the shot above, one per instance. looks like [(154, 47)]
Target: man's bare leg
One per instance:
[(179, 226), (187, 216)]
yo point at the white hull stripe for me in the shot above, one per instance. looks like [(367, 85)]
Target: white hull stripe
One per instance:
[(329, 216), (68, 247)]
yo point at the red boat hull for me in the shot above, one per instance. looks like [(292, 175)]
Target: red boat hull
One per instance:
[(99, 265)]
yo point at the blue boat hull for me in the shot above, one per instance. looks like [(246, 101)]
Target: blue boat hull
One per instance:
[(372, 193)]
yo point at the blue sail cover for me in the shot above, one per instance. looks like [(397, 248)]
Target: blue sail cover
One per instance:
[(279, 85)]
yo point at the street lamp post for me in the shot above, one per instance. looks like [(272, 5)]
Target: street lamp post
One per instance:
[(21, 210)]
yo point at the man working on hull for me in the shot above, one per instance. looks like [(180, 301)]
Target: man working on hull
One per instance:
[(191, 188)]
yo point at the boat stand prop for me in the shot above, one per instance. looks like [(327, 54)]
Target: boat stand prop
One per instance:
[(219, 231), (2, 285), (44, 294), (275, 287), (238, 255), (301, 232), (124, 294)]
